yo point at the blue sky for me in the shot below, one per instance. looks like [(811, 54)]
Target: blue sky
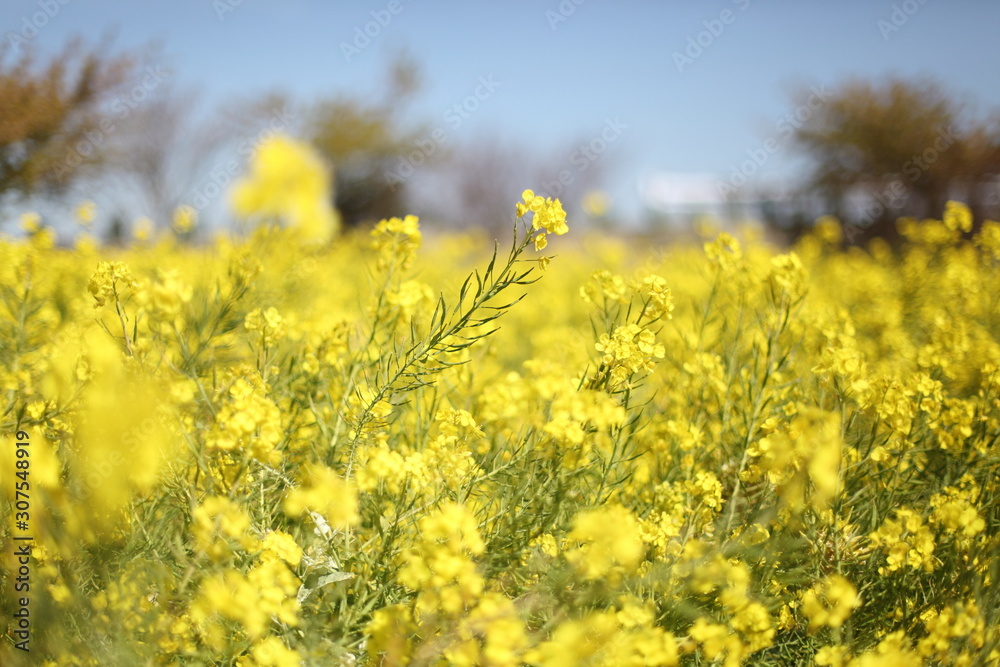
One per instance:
[(563, 68)]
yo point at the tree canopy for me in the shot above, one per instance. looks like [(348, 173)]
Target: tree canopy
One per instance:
[(903, 146), (54, 115)]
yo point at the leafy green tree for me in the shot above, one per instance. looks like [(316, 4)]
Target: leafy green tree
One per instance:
[(366, 141), (905, 145)]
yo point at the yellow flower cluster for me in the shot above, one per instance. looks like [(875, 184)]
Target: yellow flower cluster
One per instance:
[(548, 216), (397, 240), (164, 298), (452, 615), (829, 603), (805, 455), (323, 491), (112, 280), (629, 350), (439, 566), (609, 543), (255, 453), (288, 181), (218, 524), (269, 324), (267, 591), (907, 541), (247, 421)]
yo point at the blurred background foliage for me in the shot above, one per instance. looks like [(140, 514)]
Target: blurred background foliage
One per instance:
[(76, 123)]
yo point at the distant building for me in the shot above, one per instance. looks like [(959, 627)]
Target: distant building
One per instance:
[(676, 200)]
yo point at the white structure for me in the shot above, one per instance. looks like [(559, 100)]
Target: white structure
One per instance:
[(679, 198)]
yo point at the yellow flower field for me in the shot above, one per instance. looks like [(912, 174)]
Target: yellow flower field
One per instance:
[(399, 448)]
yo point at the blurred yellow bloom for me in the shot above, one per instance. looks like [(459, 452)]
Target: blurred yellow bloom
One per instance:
[(596, 203), (86, 211), (609, 538), (218, 523), (142, 228), (957, 216), (288, 181), (268, 323), (279, 544), (31, 222), (325, 492), (185, 218), (830, 602), (397, 240), (270, 652)]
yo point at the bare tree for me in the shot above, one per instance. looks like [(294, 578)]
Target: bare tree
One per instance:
[(173, 151), (484, 177)]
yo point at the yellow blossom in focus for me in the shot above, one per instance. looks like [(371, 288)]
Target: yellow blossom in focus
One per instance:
[(629, 350), (247, 420), (439, 566), (907, 541), (110, 281), (657, 300), (548, 213)]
